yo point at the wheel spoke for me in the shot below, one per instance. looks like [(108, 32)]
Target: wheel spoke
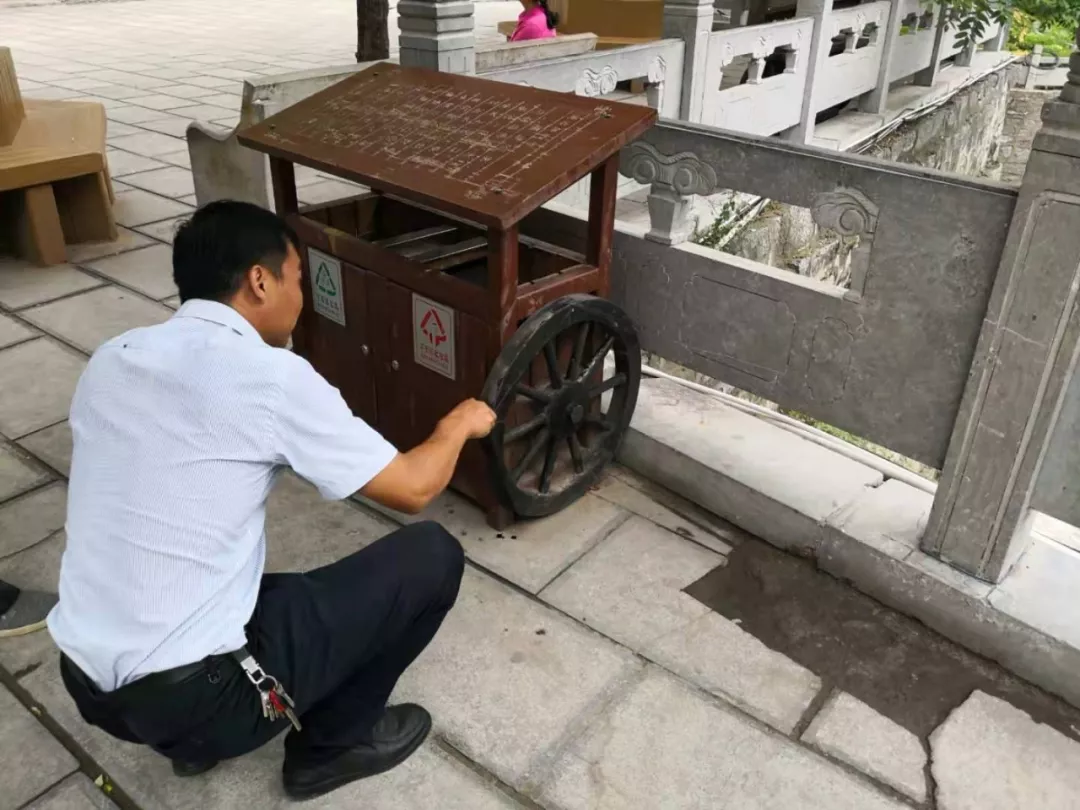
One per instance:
[(598, 359), (549, 466), (553, 366), (607, 385), (535, 394), (579, 352), (525, 428), (530, 454), (576, 453)]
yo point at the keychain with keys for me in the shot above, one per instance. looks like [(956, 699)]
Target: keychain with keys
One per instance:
[(275, 701)]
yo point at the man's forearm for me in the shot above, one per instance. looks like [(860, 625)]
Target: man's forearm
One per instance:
[(431, 464), (413, 479)]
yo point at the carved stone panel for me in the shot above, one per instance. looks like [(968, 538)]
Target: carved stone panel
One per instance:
[(733, 327)]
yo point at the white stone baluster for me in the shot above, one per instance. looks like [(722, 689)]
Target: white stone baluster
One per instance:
[(437, 34), (691, 21)]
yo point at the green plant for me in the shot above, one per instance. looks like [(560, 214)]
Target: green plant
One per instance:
[(716, 233), (1033, 17), (1056, 39)]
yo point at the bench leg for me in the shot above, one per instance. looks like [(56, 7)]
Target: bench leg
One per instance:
[(86, 209), (41, 235), (108, 183)]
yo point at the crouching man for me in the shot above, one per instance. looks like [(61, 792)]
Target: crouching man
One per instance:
[(172, 635)]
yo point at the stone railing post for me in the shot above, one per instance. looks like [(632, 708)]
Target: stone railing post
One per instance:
[(963, 59), (691, 21), (674, 181), (928, 76), (1024, 365), (876, 100), (818, 52), (437, 34)]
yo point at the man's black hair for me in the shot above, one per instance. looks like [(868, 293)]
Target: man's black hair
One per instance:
[(214, 249)]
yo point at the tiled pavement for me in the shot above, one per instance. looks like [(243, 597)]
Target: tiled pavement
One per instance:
[(574, 672)]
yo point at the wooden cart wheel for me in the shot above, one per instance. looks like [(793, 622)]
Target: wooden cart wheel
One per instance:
[(562, 408)]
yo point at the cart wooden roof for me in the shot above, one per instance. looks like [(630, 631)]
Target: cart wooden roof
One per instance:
[(484, 150)]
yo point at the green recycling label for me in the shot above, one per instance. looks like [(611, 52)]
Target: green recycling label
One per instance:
[(326, 286)]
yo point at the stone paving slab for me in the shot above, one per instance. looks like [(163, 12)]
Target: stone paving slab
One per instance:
[(136, 207), (148, 270), (52, 445), (664, 746), (123, 163), (616, 488), (168, 181), (76, 792), (38, 379), (530, 553), (23, 284), (30, 758), (630, 586), (852, 732), (89, 319), (12, 332), (89, 251), (30, 519), (165, 230), (35, 568), (508, 679), (989, 755), (722, 658), (18, 474)]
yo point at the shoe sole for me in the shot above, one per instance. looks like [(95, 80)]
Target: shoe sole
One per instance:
[(25, 630), (330, 785)]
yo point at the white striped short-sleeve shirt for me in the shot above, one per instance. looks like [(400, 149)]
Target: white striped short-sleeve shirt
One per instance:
[(180, 430)]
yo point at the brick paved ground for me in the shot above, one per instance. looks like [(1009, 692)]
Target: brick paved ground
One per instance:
[(574, 672)]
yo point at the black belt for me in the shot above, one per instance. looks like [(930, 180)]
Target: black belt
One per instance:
[(275, 701), (153, 682)]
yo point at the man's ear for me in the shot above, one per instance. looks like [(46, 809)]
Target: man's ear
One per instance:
[(256, 279)]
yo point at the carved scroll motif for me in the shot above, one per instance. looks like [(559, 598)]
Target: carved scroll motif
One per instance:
[(852, 214), (847, 211), (657, 71), (597, 83), (685, 173), (673, 181)]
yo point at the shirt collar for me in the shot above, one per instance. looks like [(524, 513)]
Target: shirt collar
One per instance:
[(218, 313)]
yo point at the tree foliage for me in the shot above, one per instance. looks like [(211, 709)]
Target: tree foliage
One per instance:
[(974, 17)]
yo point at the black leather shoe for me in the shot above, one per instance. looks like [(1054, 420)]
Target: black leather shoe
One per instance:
[(395, 737), (183, 769)]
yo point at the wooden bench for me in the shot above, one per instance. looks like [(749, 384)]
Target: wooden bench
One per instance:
[(54, 178), (223, 169)]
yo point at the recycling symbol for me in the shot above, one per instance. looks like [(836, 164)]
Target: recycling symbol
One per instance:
[(324, 280)]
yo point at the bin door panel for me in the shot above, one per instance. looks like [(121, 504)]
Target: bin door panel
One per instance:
[(334, 292), (433, 358)]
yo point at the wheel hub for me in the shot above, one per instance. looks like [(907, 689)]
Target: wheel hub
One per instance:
[(568, 409)]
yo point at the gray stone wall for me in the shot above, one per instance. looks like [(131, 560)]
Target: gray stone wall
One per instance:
[(983, 131), (1022, 119), (962, 135)]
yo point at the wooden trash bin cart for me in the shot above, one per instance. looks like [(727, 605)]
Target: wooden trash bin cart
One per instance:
[(423, 292)]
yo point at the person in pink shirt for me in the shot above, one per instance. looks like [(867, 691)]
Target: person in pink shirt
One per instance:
[(537, 21)]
